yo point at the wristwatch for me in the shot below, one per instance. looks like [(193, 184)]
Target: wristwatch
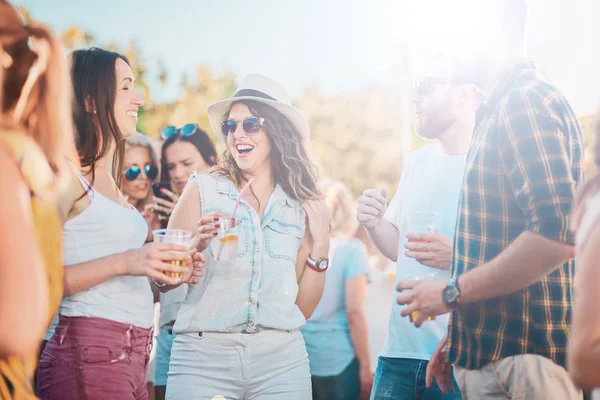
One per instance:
[(319, 266), (451, 293)]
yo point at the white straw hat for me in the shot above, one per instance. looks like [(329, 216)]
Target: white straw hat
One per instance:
[(265, 90)]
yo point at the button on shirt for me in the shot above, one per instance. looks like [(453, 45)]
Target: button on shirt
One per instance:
[(259, 289)]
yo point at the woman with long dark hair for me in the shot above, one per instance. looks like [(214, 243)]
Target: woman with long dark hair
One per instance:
[(186, 151), (36, 139), (101, 346), (237, 333)]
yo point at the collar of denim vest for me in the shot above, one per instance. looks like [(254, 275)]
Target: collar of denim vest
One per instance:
[(225, 186)]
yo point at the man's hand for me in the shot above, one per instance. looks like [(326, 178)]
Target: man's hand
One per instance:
[(430, 249), (438, 368), (424, 296), (371, 207)]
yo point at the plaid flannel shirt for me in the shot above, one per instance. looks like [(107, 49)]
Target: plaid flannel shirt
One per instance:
[(522, 169)]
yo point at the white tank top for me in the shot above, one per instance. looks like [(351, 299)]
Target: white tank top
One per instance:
[(102, 229)]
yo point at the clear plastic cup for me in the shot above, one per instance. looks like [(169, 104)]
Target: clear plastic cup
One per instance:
[(427, 276), (421, 222), (174, 236), (225, 245)]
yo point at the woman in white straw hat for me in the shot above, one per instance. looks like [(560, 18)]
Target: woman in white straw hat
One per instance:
[(237, 333)]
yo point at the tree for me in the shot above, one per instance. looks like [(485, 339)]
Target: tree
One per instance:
[(356, 137)]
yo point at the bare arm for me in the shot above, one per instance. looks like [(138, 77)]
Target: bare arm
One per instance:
[(387, 238), (23, 285), (584, 345), (372, 206), (310, 283), (186, 215), (525, 261), (356, 289)]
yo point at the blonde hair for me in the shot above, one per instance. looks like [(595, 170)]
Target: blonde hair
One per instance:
[(341, 203), (291, 162), (36, 88), (136, 140)]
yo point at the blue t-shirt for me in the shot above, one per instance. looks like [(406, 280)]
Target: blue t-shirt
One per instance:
[(326, 333)]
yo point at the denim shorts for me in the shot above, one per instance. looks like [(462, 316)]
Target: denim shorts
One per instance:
[(404, 379), (268, 365)]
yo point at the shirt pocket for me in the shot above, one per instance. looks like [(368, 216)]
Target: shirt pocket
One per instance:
[(283, 240)]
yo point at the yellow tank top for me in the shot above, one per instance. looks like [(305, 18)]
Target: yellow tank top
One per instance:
[(16, 373)]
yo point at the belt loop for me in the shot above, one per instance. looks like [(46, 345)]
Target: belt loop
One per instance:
[(66, 328), (128, 336), (150, 341)]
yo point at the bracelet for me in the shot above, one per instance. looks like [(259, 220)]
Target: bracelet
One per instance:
[(157, 283)]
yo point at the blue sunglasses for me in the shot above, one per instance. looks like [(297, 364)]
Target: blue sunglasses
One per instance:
[(132, 173), (186, 130)]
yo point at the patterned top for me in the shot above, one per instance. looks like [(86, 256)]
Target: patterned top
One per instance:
[(523, 165), (258, 289), (16, 373)]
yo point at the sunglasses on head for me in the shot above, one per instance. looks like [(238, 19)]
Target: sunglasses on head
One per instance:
[(186, 130), (132, 173), (251, 126), (424, 86)]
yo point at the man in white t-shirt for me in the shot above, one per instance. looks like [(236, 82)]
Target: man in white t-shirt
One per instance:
[(430, 183)]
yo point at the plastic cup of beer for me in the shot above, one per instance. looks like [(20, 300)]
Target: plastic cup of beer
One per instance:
[(173, 236), (226, 243), (430, 276), (421, 222)]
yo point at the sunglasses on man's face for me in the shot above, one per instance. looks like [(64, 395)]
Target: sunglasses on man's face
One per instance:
[(186, 130), (132, 173), (251, 126)]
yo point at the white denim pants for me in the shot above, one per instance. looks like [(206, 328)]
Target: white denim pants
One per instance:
[(268, 365), (522, 377)]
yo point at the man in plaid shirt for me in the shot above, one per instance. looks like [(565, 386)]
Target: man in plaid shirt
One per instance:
[(512, 287)]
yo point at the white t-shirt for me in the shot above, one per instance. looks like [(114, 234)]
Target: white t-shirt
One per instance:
[(430, 182)]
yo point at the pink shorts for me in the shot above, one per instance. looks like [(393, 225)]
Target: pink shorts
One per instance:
[(95, 358)]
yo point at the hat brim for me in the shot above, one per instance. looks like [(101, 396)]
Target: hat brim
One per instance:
[(217, 110)]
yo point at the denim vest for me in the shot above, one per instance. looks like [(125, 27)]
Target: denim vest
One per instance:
[(259, 289)]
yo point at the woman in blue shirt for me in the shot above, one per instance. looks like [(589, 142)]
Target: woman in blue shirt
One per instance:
[(336, 334)]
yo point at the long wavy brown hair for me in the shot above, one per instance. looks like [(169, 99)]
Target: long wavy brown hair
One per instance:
[(290, 158), (592, 185), (36, 90)]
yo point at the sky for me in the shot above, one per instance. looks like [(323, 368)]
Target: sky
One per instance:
[(338, 46)]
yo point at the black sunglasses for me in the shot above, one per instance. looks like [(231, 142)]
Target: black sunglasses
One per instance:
[(186, 130), (132, 173), (251, 126)]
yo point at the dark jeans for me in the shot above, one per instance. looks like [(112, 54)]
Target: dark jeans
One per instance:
[(404, 379), (345, 386)]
